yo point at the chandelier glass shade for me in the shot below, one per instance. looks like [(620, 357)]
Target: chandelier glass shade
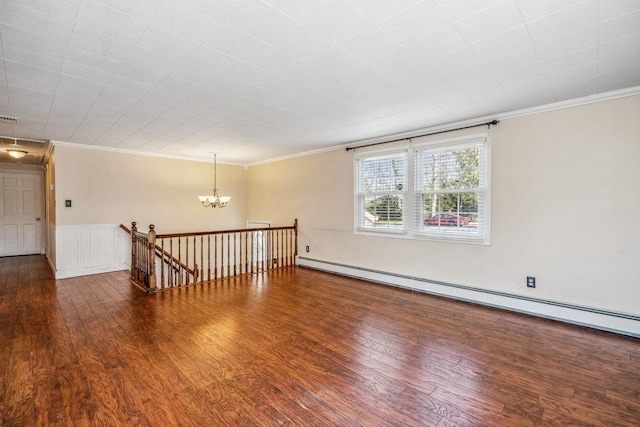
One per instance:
[(17, 154), (215, 200), (16, 150)]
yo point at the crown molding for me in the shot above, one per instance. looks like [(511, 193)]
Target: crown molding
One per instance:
[(138, 153), (577, 102), (301, 154)]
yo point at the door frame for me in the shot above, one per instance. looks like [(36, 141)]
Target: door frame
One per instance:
[(9, 168)]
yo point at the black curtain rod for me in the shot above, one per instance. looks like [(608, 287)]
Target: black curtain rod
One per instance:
[(488, 124)]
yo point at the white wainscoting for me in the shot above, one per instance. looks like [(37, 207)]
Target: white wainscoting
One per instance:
[(81, 250), (599, 319)]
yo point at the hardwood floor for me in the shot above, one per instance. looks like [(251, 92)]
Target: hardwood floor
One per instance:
[(294, 347)]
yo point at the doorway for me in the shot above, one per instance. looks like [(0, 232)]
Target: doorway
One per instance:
[(21, 213)]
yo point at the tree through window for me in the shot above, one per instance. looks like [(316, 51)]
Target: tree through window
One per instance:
[(448, 197), (381, 192), (450, 190)]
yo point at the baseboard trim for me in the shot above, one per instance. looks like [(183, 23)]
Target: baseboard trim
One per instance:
[(87, 271), (619, 323)]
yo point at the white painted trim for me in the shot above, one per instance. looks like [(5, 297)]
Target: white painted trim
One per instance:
[(11, 252), (257, 222), (577, 102), (296, 155), (76, 226), (599, 319), (138, 153), (88, 271)]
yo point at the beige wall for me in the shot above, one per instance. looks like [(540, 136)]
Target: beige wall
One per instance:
[(565, 208), (112, 188)]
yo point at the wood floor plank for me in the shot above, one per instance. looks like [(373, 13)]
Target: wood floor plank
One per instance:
[(122, 360), (86, 383), (294, 347), (585, 411), (289, 397), (19, 406)]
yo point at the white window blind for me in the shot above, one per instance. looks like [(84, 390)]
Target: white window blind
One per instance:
[(381, 192), (450, 191), (440, 194)]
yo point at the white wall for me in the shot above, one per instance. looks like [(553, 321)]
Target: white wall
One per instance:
[(565, 208), (90, 249), (109, 188)]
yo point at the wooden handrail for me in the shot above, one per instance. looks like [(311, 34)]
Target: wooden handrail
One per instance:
[(237, 230), (204, 233), (160, 252)]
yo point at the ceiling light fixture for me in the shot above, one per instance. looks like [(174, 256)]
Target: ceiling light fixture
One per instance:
[(214, 201), (17, 154), (15, 150)]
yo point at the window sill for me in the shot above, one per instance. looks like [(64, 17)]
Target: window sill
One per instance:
[(441, 238), (382, 232)]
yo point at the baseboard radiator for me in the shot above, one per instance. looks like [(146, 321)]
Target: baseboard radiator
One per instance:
[(594, 318)]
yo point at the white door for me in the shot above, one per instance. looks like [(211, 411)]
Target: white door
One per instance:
[(21, 213)]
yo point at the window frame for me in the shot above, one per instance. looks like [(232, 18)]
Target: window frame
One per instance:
[(360, 197), (482, 142), (413, 222)]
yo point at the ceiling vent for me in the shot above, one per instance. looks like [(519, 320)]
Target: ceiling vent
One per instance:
[(9, 119)]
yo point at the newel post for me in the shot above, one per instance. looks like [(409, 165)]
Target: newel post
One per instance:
[(152, 258), (295, 232), (134, 261)]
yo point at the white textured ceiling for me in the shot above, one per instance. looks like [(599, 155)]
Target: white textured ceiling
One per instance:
[(261, 79)]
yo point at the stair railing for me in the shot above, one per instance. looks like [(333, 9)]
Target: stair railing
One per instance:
[(143, 259), (178, 259)]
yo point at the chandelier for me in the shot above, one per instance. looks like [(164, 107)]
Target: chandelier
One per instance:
[(214, 201)]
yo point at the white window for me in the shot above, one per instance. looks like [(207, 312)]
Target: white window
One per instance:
[(381, 196), (450, 192), (448, 195)]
